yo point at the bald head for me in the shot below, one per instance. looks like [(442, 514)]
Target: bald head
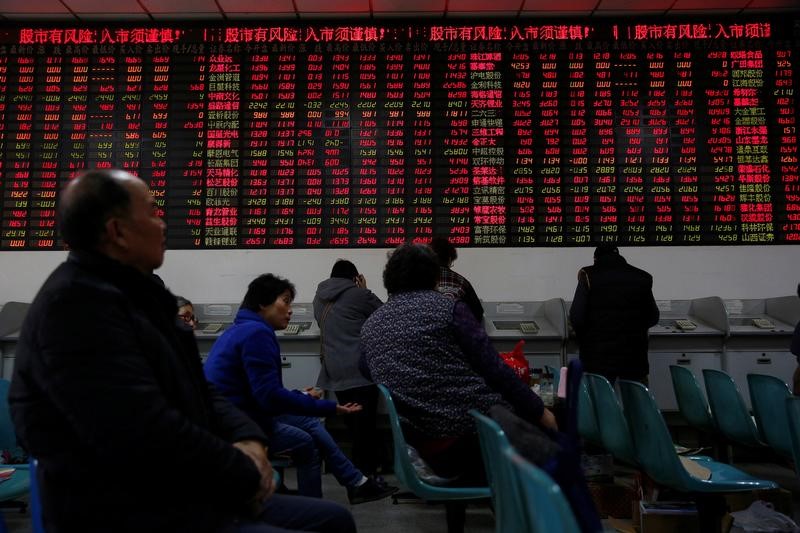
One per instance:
[(88, 202)]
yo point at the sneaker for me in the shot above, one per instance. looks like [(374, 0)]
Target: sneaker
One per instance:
[(369, 491)]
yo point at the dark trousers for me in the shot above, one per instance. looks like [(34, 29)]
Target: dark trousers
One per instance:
[(367, 445), (296, 513)]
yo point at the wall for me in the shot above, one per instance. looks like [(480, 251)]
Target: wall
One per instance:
[(497, 274)]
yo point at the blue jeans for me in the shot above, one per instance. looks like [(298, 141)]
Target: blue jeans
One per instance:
[(307, 442), (295, 513)]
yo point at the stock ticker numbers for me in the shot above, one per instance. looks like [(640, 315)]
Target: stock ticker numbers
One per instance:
[(322, 136)]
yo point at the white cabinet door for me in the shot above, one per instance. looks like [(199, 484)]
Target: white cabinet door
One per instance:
[(661, 379), (778, 364)]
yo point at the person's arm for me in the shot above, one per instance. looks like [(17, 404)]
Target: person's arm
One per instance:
[(233, 425), (371, 302), (100, 374), (261, 357), (580, 303), (472, 300), (482, 356), (653, 313)]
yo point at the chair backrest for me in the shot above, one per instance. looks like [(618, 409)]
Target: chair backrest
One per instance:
[(588, 427), (729, 411), (793, 415), (505, 497), (691, 401), (544, 505), (614, 432), (8, 437), (768, 396), (651, 438), (405, 472)]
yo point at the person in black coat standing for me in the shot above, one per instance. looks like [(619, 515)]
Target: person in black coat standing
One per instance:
[(109, 395), (611, 312)]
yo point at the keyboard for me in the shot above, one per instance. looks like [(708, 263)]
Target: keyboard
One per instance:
[(763, 323), (529, 328), (685, 324), (292, 329), (212, 327)]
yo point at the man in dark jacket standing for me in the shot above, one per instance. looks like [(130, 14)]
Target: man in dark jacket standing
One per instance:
[(611, 312), (108, 392)]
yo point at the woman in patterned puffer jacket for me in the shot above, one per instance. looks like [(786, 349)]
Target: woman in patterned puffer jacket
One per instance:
[(438, 363)]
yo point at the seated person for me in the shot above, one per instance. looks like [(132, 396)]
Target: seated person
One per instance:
[(435, 358), (452, 283), (245, 365), (186, 312)]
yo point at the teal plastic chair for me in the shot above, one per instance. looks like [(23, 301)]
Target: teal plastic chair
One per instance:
[(768, 396), (692, 403), (454, 498), (507, 505), (657, 457), (588, 428), (728, 409), (18, 485), (793, 414), (544, 506), (614, 432)]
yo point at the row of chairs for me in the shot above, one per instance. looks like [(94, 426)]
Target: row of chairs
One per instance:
[(636, 433), (776, 411), (525, 498)]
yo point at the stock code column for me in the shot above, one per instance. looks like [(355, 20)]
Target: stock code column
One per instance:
[(183, 102), (395, 119), (19, 196), (421, 163), (519, 126), (784, 121), (452, 152), (363, 151), (683, 94)]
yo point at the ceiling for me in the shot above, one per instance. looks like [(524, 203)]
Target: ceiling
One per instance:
[(260, 10)]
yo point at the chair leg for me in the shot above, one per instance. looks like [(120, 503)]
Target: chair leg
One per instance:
[(710, 510), (456, 516)]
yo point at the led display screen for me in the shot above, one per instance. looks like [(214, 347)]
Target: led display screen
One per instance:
[(518, 133)]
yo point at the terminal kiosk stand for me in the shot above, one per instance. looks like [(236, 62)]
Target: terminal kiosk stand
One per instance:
[(760, 337), (212, 320), (541, 324), (300, 348), (689, 333), (11, 317), (299, 341)]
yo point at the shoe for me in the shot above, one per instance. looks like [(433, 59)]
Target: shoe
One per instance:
[(369, 491)]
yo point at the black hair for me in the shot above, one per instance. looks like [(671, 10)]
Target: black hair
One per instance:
[(343, 268), (445, 251), (264, 290), (411, 267), (86, 206), (606, 249), (181, 301)]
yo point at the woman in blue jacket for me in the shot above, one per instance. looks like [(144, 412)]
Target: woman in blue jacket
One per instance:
[(245, 365)]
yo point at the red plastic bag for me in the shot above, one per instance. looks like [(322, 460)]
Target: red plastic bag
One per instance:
[(516, 360)]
